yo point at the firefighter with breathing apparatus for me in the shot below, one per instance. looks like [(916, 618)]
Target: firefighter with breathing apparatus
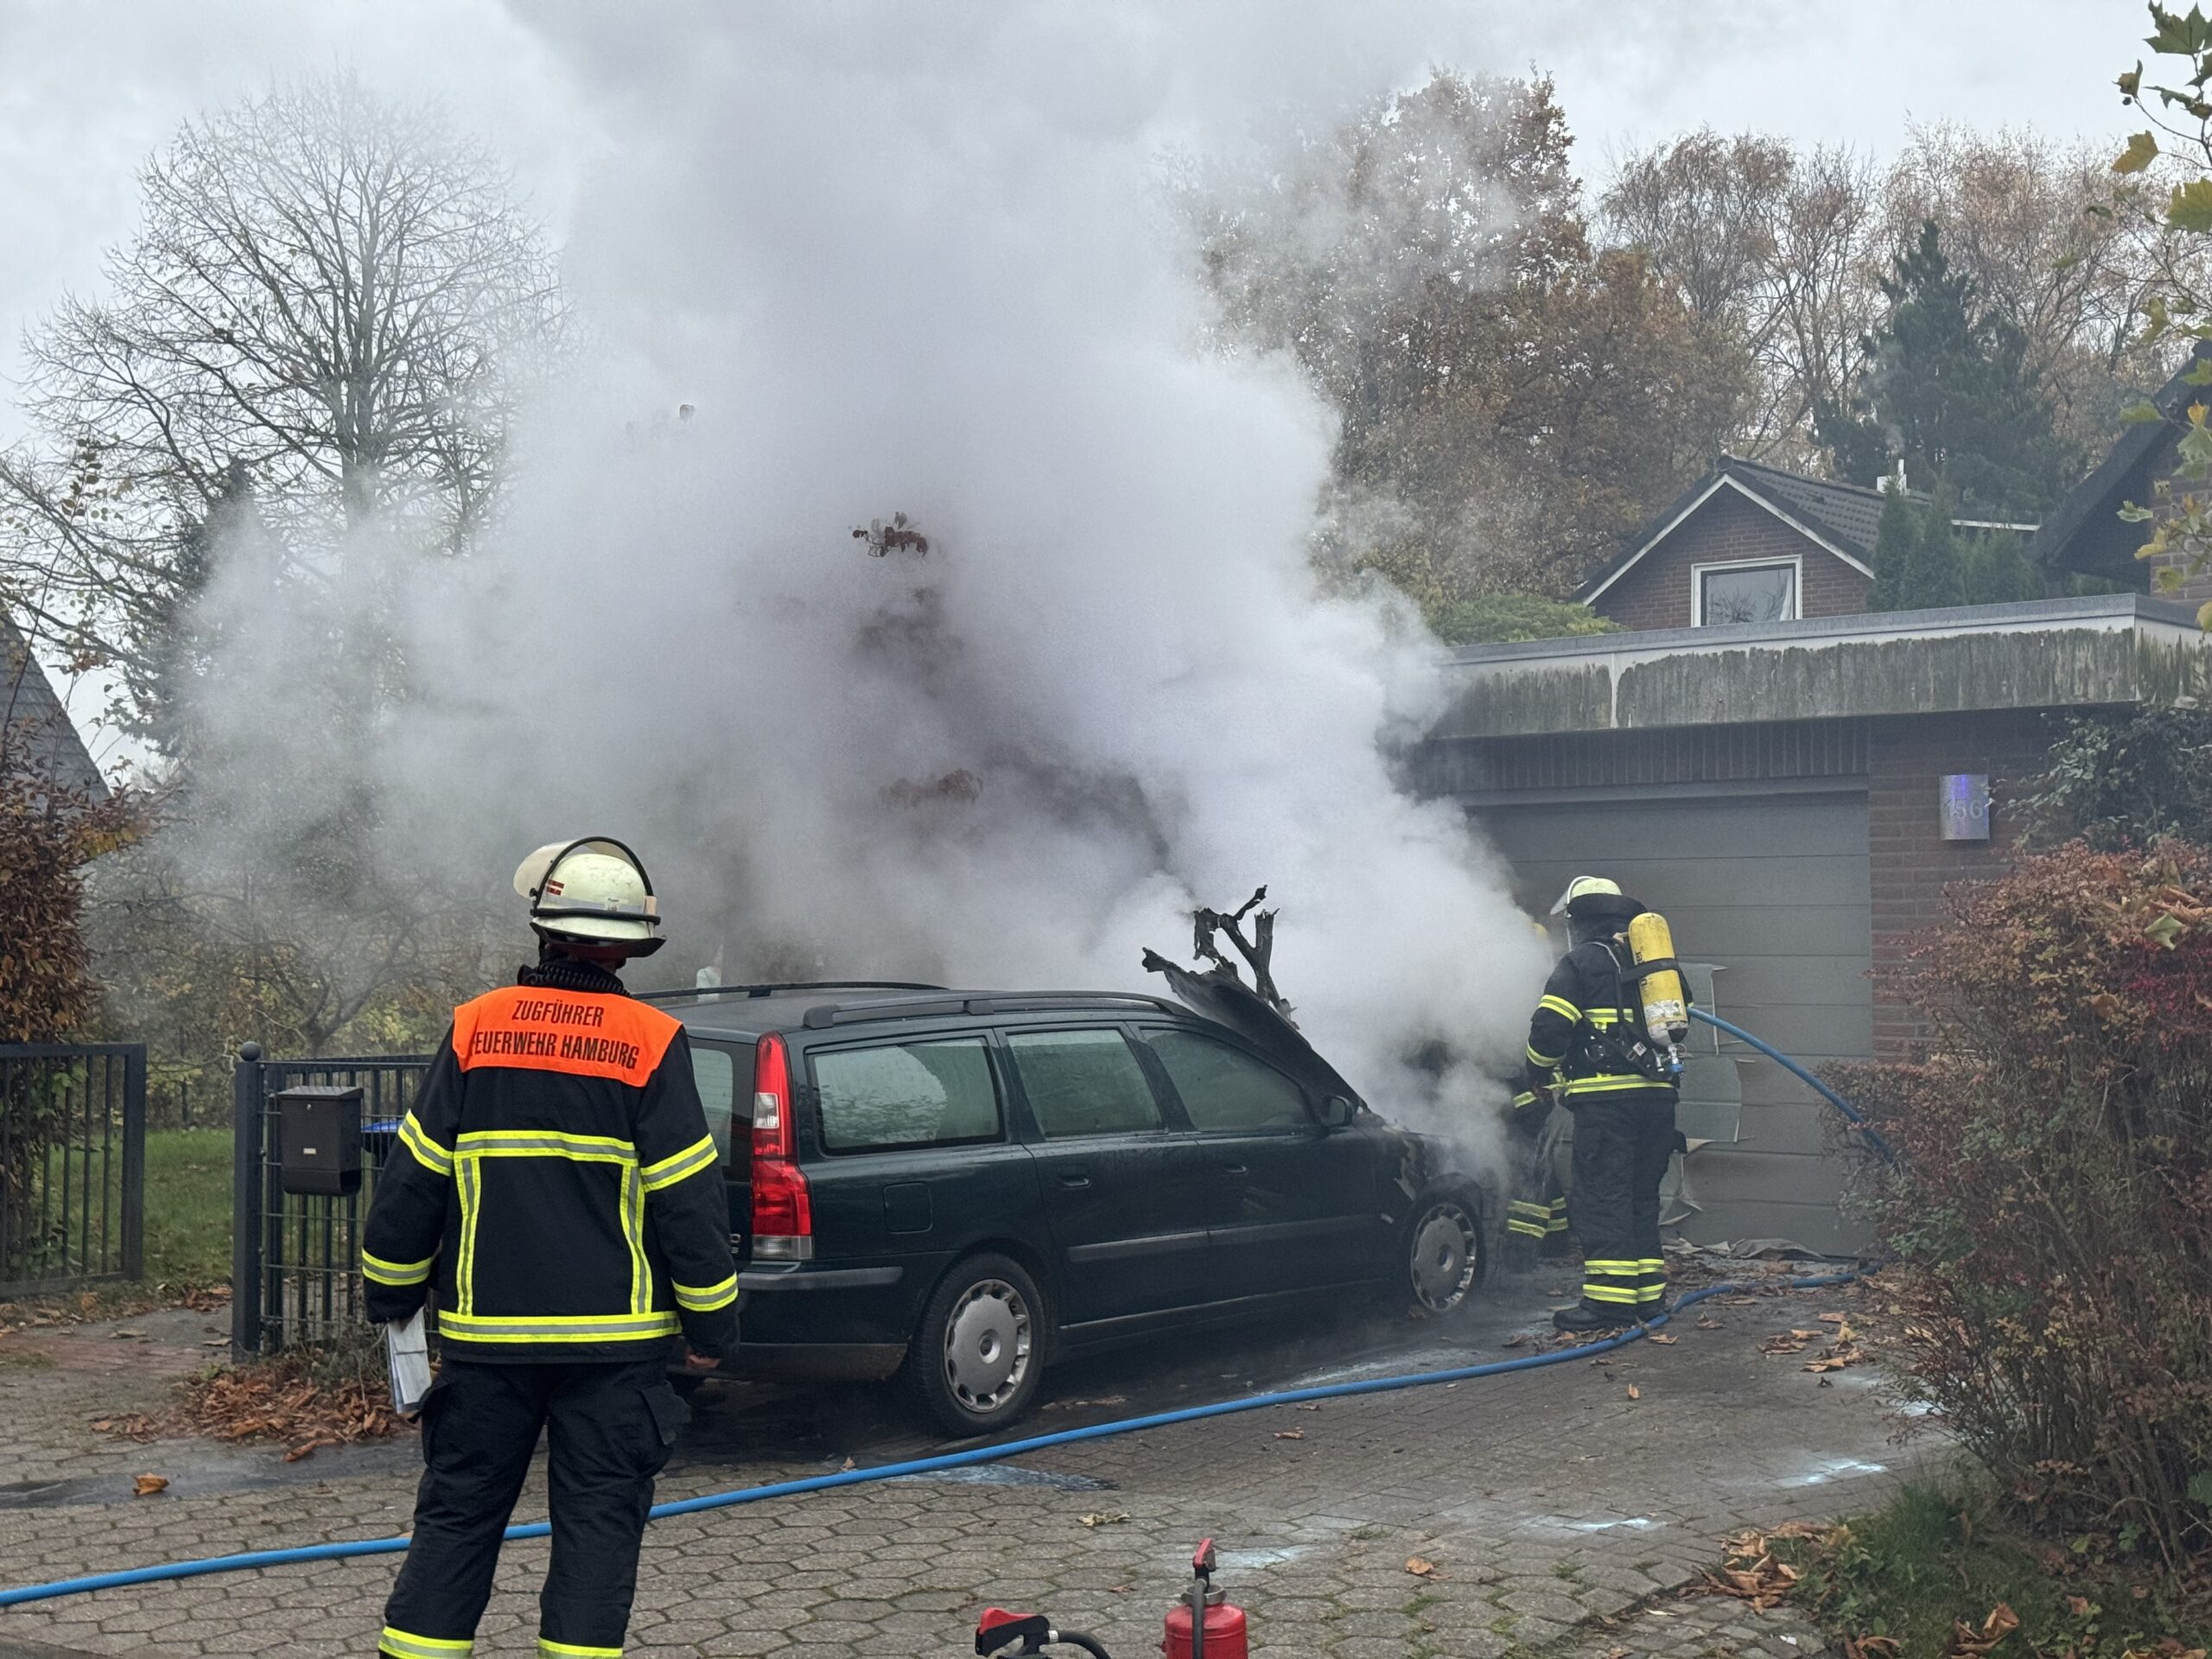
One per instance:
[(556, 1182), (1606, 1041)]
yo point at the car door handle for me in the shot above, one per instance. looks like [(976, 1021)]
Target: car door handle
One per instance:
[(1075, 1180), (1234, 1169)]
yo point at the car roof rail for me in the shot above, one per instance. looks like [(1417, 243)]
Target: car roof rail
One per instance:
[(705, 993), (925, 1006), (1032, 1001)]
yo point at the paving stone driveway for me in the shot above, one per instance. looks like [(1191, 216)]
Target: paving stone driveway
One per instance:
[(1559, 1513)]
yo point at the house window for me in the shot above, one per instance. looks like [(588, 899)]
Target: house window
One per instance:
[(1760, 592)]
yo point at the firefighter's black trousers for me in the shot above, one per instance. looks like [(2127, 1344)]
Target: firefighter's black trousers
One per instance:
[(1622, 1143), (608, 1430)]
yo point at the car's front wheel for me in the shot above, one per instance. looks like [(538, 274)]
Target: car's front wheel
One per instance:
[(978, 1354), (1443, 1255)]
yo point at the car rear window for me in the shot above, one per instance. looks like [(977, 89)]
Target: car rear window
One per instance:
[(925, 1093), (1223, 1088), (1082, 1083)]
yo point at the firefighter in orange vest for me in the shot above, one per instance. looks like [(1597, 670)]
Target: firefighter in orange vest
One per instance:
[(557, 1183)]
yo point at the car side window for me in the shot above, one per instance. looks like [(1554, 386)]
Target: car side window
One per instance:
[(1082, 1083), (930, 1092), (714, 1072), (1224, 1089)]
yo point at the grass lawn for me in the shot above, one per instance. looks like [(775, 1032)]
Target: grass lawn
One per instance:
[(1932, 1557), (188, 1207)]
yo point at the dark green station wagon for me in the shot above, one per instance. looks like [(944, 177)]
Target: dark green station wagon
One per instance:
[(959, 1187)]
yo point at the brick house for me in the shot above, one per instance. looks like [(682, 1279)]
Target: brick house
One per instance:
[(1749, 543)]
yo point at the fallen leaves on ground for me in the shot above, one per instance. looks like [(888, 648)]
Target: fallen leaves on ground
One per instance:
[(1764, 1582), (147, 1486), (1634, 1393), (138, 1426), (1422, 1568), (1753, 1574), (1290, 1434), (270, 1402), (1075, 1405), (1790, 1343), (1870, 1647), (1518, 1340), (1663, 1338), (1968, 1643), (1104, 1517), (1833, 1319), (1839, 1354), (2168, 1647), (1706, 1322)]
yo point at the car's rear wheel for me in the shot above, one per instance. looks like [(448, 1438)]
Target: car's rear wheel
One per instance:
[(978, 1353), (1443, 1255)]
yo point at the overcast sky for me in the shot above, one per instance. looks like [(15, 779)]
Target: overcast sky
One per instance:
[(87, 87)]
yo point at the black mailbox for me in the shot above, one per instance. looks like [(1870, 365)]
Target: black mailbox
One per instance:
[(320, 1125)]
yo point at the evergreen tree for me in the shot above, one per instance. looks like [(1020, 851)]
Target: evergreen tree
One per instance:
[(1933, 573), (1948, 390), (1896, 541)]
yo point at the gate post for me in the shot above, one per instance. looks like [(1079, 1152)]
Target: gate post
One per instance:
[(134, 1162), (246, 1111)]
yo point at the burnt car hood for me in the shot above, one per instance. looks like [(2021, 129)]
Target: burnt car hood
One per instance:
[(1223, 998)]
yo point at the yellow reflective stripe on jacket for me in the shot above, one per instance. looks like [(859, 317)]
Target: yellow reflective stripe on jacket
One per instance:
[(681, 1165), (472, 1201), (1542, 1062), (545, 1143), (396, 1272), (1561, 1007), (428, 1152), (633, 1234), (695, 1299), (1615, 1084), (1527, 1229), (409, 1646), (570, 1651), (556, 1327)]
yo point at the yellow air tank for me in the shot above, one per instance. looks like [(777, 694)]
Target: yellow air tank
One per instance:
[(1666, 1005)]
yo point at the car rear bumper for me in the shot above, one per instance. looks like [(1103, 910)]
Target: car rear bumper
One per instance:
[(805, 1320)]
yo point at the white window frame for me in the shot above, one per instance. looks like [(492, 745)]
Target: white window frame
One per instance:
[(1794, 562)]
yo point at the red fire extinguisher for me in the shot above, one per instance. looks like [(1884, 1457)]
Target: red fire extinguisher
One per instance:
[(1203, 1625)]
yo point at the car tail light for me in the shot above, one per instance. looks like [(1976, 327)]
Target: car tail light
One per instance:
[(783, 1208)]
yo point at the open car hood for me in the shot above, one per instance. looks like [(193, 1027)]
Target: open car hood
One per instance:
[(1221, 996)]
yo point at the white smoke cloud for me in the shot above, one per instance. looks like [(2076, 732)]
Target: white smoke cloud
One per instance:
[(917, 259)]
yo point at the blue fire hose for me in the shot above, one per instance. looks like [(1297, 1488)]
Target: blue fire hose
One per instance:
[(918, 1466), (1853, 1116), (348, 1550)]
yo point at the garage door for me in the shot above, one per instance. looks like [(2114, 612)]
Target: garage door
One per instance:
[(1772, 891)]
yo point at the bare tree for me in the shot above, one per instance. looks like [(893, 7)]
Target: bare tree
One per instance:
[(1783, 249), (331, 299), (1769, 249), (2024, 219)]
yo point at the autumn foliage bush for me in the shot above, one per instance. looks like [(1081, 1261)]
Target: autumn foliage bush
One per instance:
[(2052, 1215)]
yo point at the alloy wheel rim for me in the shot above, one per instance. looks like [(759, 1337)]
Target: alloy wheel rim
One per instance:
[(988, 1345), (1444, 1257)]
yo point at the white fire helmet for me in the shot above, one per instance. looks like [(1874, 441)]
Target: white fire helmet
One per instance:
[(1586, 886), (592, 890)]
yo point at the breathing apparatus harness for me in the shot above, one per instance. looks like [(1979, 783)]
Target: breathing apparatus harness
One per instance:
[(1627, 1047)]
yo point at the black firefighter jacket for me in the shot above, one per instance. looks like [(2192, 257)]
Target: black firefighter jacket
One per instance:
[(1583, 1030), (557, 1179)]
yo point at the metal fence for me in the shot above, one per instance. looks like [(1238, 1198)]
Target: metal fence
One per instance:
[(73, 1165), (295, 1259)]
